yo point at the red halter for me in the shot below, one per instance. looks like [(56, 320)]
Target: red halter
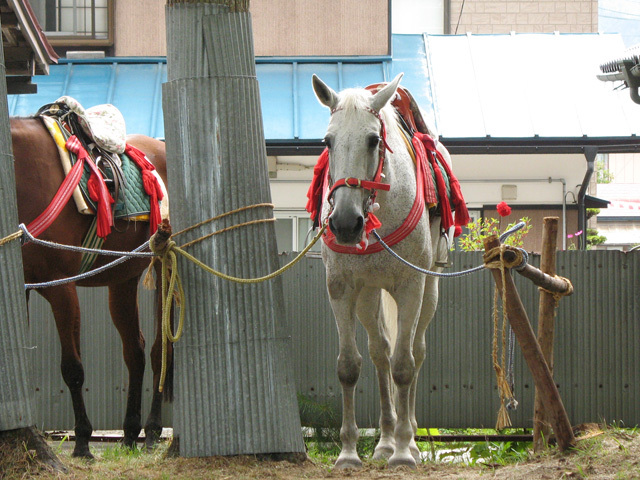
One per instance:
[(371, 185)]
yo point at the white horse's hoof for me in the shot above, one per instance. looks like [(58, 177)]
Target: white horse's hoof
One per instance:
[(382, 452), (397, 460), (415, 452), (348, 461)]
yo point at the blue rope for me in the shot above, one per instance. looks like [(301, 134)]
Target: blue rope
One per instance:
[(124, 256), (503, 237)]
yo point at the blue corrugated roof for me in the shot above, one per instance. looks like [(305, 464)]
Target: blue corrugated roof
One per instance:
[(469, 86), (289, 107)]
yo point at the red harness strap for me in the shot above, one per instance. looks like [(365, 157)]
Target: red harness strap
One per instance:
[(62, 196), (97, 188), (410, 222), (357, 183)]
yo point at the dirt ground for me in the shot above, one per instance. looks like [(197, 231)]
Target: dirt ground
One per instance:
[(613, 454)]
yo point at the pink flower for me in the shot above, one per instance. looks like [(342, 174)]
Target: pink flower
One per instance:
[(503, 209), (570, 235), (578, 233)]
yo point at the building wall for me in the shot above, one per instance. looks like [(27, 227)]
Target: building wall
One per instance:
[(525, 16), (280, 28), (625, 168), (140, 28), (331, 27)]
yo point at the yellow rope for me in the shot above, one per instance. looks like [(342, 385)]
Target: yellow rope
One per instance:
[(217, 232), (170, 269), (222, 215), (10, 238), (504, 388)]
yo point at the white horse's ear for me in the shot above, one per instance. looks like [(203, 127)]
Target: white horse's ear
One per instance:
[(325, 94), (381, 98)]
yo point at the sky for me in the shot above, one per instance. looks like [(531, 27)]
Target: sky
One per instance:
[(620, 16)]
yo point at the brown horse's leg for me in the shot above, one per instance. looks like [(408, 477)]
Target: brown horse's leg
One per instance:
[(153, 425), (123, 305), (66, 311)]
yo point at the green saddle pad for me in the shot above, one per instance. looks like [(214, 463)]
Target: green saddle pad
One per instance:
[(132, 200)]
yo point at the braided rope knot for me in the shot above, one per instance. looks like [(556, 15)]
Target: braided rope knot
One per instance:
[(163, 249), (519, 260)]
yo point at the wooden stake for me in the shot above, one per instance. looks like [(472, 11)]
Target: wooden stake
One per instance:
[(533, 354), (546, 324)]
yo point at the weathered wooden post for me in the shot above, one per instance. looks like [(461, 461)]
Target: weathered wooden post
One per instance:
[(546, 324), (234, 391), (16, 417), (530, 349)]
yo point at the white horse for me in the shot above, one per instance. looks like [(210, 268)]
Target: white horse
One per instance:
[(360, 156)]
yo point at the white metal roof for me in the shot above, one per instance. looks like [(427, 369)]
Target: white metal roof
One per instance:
[(527, 85)]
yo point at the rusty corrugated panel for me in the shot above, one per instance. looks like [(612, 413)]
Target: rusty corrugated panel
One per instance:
[(597, 364)]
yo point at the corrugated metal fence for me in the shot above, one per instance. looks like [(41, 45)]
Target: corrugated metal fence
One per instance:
[(597, 359)]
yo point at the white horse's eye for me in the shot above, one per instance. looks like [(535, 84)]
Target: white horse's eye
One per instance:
[(373, 141), (327, 141)]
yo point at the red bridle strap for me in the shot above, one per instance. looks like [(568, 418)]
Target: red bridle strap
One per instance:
[(357, 183), (371, 185)]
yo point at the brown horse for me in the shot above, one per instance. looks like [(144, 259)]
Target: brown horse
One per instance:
[(38, 175)]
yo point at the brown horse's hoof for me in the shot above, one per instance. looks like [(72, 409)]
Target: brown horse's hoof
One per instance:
[(152, 437), (82, 451)]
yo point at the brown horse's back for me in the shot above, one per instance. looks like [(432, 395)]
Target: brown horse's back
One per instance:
[(39, 174)]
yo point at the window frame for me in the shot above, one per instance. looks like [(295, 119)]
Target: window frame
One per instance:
[(63, 40), (296, 216)]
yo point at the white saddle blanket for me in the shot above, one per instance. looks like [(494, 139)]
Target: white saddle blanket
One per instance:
[(103, 123)]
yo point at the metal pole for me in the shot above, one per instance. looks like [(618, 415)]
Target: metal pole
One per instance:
[(234, 388)]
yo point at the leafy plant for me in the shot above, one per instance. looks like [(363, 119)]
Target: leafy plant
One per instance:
[(323, 426), (603, 175), (592, 212), (484, 227), (593, 238), (499, 453), (119, 452)]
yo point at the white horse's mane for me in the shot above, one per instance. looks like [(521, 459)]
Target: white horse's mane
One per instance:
[(352, 99)]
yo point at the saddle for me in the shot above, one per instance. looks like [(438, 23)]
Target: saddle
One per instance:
[(424, 141), (116, 179), (102, 124)]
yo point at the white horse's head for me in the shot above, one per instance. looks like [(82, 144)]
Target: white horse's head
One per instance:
[(356, 154)]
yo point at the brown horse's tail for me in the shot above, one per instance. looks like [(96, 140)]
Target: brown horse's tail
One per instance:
[(167, 390)]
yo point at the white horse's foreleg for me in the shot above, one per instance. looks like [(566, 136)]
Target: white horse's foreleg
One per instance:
[(429, 304), (403, 368), (371, 315), (349, 365)]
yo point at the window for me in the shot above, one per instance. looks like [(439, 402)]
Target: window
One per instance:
[(75, 22), (292, 231)]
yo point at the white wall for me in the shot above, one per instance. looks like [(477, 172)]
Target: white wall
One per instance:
[(529, 173), (417, 16)]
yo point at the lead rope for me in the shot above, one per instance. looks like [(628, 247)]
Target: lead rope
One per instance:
[(170, 269)]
